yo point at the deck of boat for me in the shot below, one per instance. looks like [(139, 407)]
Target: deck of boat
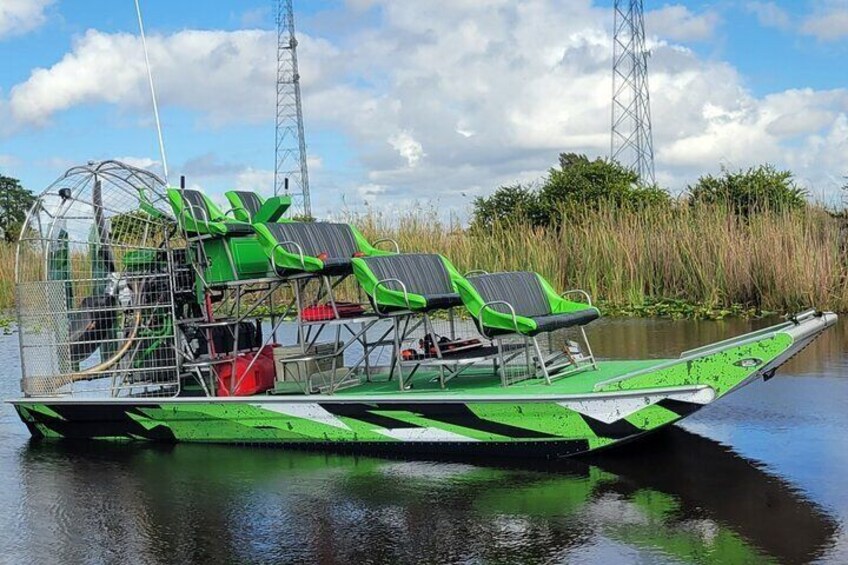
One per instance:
[(483, 381)]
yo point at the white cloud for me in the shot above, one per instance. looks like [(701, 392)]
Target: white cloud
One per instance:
[(7, 162), (444, 101), (370, 192), (20, 16), (314, 163), (227, 76), (258, 180), (141, 163), (828, 22), (199, 69), (677, 23), (769, 14), (407, 147)]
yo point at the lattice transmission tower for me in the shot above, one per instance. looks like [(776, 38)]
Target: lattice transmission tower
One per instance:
[(632, 144), (290, 141)]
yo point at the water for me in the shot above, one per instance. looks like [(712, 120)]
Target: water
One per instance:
[(761, 476)]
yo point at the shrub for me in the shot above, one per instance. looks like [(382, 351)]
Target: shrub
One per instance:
[(508, 203), (577, 184), (595, 184), (758, 189)]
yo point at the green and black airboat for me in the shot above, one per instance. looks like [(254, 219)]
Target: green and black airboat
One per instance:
[(151, 313)]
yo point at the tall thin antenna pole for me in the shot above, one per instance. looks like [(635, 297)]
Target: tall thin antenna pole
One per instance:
[(152, 93), (290, 144), (631, 140)]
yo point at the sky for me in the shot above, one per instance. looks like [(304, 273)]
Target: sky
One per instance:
[(411, 104)]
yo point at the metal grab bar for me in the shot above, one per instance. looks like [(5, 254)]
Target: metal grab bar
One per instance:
[(234, 208), (489, 305), (281, 244), (475, 272), (578, 291), (382, 283), (193, 218), (387, 239)]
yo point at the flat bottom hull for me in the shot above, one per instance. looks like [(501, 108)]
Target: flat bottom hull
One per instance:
[(529, 421), (528, 429)]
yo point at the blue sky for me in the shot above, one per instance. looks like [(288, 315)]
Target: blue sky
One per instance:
[(411, 103)]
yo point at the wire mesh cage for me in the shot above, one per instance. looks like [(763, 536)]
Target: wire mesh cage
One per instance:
[(95, 286)]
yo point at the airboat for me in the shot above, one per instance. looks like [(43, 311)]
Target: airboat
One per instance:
[(154, 313)]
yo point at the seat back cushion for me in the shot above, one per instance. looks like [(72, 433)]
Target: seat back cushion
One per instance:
[(250, 201), (522, 289), (422, 273), (196, 206), (315, 238)]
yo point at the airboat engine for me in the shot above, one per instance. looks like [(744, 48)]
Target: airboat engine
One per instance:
[(95, 286)]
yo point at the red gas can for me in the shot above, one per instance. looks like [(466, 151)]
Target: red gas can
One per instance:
[(258, 378)]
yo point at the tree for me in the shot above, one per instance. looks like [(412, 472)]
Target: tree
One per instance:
[(15, 202), (508, 203), (750, 191), (595, 184), (577, 184)]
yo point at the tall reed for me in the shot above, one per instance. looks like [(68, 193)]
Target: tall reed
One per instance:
[(7, 277), (704, 254)]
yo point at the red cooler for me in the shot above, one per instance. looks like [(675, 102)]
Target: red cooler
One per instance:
[(247, 382)]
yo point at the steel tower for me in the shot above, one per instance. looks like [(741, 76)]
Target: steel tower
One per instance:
[(631, 144), (290, 141)]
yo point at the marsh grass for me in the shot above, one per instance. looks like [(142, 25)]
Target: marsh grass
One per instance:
[(688, 260), (7, 279), (630, 259)]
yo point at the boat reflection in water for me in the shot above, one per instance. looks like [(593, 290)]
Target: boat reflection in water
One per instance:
[(674, 497)]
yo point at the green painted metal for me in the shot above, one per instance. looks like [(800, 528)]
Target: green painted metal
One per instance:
[(290, 259), (386, 297), (722, 370), (479, 411), (248, 258), (215, 224), (136, 260), (481, 381), (494, 320), (271, 210)]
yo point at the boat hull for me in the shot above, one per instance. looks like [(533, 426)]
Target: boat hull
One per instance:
[(544, 428), (540, 421)]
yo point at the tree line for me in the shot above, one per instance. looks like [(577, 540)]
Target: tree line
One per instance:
[(579, 183)]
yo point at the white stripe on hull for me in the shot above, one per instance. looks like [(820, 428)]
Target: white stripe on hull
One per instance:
[(609, 410), (312, 412)]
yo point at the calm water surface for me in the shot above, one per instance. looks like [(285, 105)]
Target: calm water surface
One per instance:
[(761, 476)]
